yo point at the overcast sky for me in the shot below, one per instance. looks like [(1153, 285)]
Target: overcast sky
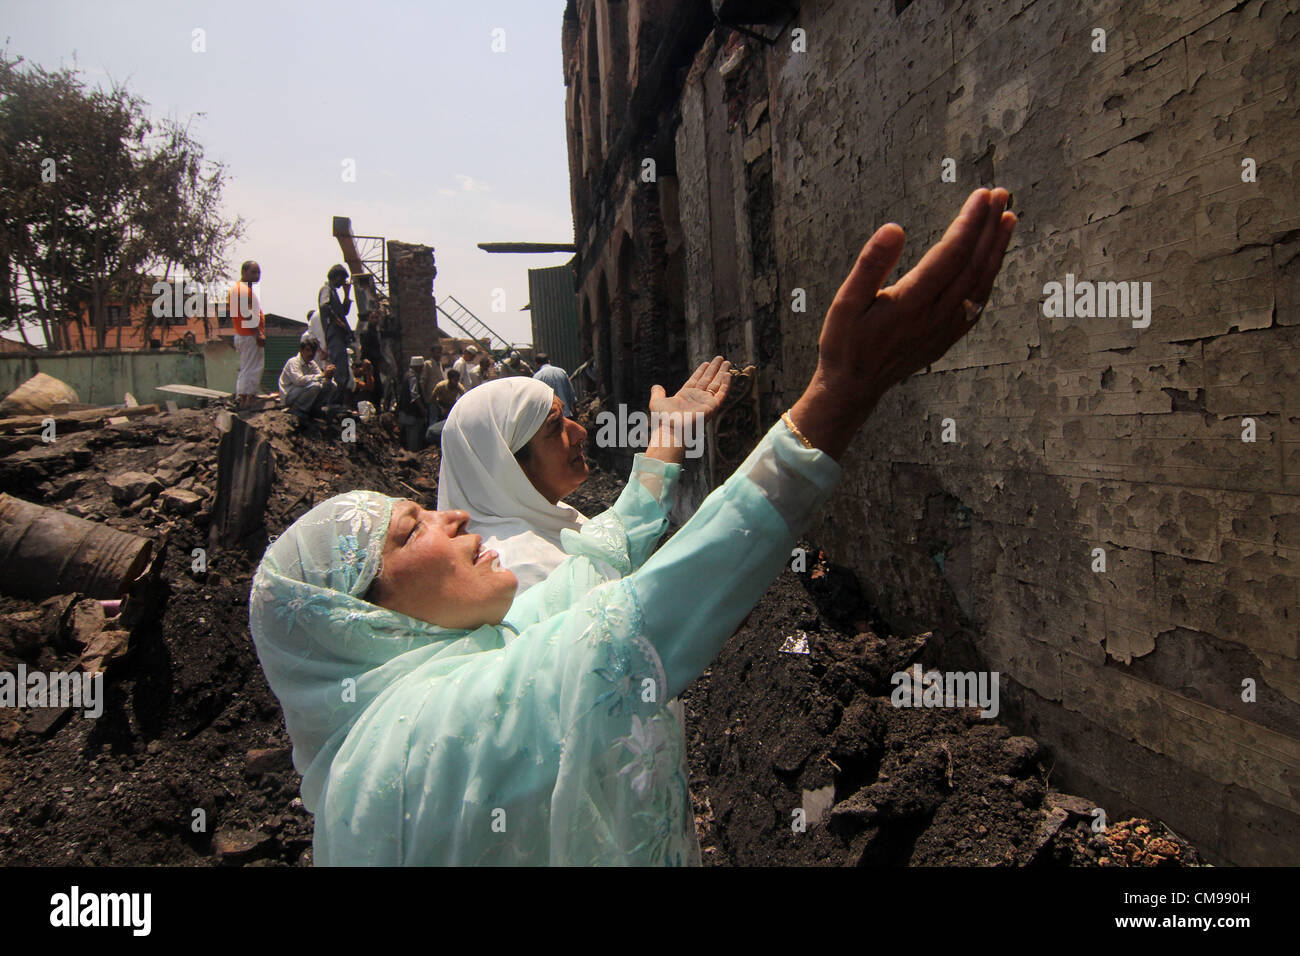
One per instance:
[(453, 144)]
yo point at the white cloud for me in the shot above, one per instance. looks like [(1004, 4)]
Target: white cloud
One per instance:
[(471, 185)]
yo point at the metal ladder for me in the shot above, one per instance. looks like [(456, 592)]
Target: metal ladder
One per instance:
[(469, 323)]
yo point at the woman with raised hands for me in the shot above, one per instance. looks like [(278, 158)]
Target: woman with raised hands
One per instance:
[(439, 719), (510, 457)]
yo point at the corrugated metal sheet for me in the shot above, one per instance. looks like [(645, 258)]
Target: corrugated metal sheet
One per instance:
[(555, 315), (283, 336)]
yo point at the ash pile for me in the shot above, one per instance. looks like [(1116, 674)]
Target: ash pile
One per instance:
[(128, 544), (818, 738)]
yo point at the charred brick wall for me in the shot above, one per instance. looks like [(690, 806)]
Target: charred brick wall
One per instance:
[(624, 63), (1164, 150), (411, 271)]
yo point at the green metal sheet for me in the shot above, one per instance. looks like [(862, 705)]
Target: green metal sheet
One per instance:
[(279, 349), (555, 315)]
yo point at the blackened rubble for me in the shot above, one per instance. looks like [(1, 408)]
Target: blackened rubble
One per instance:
[(190, 731), (189, 723)]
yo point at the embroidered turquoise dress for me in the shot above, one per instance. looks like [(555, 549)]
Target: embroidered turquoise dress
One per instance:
[(547, 739)]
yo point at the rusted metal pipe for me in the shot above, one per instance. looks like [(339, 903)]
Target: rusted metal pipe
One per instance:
[(45, 552)]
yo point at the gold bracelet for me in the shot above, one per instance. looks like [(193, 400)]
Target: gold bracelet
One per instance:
[(789, 423)]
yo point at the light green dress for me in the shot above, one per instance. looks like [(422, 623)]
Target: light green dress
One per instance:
[(547, 739)]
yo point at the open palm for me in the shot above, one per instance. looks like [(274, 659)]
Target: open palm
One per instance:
[(874, 338), (703, 393)]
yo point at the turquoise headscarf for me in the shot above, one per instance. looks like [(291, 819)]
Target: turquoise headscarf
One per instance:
[(420, 744)]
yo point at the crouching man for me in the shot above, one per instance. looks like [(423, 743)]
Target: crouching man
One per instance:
[(304, 385)]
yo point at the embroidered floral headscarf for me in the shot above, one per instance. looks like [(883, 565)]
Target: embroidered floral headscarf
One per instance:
[(326, 651), (416, 741)]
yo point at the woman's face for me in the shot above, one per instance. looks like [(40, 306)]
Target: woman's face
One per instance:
[(434, 572), (555, 463)]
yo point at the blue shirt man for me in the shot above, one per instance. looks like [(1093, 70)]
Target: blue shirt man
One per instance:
[(558, 379)]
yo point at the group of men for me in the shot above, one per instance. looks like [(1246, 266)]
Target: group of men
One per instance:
[(328, 373), (429, 393), (326, 370)]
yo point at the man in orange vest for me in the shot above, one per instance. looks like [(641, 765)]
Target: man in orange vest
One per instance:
[(250, 333)]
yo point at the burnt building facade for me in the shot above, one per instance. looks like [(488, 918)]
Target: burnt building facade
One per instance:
[(1105, 509), (619, 63)]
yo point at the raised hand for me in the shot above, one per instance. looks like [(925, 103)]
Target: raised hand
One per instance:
[(873, 338), (703, 393), (681, 418)]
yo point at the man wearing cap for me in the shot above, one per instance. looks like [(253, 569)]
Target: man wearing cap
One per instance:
[(412, 414), (467, 367), (514, 367), (333, 314)]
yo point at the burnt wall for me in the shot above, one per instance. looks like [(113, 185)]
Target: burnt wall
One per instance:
[(411, 271), (1070, 434), (622, 157)]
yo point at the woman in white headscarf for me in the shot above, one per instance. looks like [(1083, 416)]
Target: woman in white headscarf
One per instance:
[(509, 457)]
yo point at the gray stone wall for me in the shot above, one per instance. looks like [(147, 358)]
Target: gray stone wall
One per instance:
[(1072, 434)]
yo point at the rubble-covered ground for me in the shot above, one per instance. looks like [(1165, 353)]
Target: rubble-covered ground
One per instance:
[(189, 763)]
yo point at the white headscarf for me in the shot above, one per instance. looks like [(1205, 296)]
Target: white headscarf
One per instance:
[(479, 474)]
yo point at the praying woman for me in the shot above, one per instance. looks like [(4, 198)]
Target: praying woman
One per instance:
[(439, 719)]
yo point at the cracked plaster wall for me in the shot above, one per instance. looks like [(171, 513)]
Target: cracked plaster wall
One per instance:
[(1072, 434)]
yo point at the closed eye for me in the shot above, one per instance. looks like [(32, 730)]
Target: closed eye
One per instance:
[(411, 528)]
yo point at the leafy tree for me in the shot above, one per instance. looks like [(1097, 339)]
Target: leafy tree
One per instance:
[(95, 197)]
